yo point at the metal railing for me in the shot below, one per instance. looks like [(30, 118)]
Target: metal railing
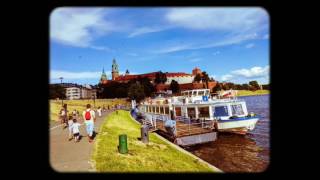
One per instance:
[(185, 126)]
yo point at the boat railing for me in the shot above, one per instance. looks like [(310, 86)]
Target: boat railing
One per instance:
[(185, 125)]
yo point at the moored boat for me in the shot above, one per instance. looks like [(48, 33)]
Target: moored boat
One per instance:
[(225, 110)]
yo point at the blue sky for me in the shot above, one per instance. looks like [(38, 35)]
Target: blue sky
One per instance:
[(230, 44)]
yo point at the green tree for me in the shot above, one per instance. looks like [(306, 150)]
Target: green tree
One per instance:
[(265, 86), (147, 86), (56, 91), (245, 86), (160, 78), (254, 85), (217, 88), (205, 78), (197, 78), (174, 86), (136, 91)]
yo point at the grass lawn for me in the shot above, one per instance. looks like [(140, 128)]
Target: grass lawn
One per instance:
[(157, 156), (252, 93), (80, 105)]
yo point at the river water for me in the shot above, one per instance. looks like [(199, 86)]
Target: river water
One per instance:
[(238, 153)]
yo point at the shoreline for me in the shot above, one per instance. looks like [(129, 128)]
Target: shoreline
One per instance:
[(242, 93)]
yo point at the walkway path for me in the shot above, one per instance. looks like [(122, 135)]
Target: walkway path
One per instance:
[(68, 156)]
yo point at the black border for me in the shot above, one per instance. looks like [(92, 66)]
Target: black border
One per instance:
[(199, 3)]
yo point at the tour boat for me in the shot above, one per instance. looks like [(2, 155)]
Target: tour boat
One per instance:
[(225, 110)]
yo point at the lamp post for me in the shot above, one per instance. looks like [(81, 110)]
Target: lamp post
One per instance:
[(62, 88)]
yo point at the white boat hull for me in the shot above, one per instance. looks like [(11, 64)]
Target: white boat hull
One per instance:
[(240, 126)]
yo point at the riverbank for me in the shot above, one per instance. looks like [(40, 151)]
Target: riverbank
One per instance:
[(80, 105), (157, 156), (252, 93)]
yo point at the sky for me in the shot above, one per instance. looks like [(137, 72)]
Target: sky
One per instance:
[(230, 44)]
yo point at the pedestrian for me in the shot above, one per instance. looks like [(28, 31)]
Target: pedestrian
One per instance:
[(70, 123), (64, 115), (104, 108), (89, 119), (75, 114), (99, 111), (75, 130)]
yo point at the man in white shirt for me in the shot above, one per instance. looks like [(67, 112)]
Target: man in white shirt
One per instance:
[(89, 118)]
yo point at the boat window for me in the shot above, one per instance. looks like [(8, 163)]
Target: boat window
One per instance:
[(191, 112), (237, 110), (194, 93), (221, 111), (161, 110), (178, 111), (201, 93), (166, 110), (204, 112), (207, 93)]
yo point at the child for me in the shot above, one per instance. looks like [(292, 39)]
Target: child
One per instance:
[(70, 123), (75, 130)]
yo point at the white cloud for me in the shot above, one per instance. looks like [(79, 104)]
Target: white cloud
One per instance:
[(245, 75), (78, 26), (226, 19), (175, 48), (250, 45), (195, 60), (266, 36), (254, 72), (226, 77), (230, 40), (237, 25), (145, 30)]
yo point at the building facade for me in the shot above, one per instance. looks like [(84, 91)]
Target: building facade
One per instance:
[(80, 92)]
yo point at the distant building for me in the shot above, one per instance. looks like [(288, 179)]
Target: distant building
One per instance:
[(115, 70), (185, 80), (80, 92), (196, 71), (103, 79)]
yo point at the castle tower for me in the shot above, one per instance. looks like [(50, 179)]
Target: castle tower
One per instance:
[(196, 71), (103, 79), (115, 70)]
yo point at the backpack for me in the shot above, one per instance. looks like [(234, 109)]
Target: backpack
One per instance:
[(87, 115)]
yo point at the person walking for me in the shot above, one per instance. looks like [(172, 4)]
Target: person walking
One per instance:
[(64, 115), (99, 111), (75, 130), (89, 119), (70, 123)]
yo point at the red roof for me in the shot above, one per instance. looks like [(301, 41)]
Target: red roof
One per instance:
[(149, 75)]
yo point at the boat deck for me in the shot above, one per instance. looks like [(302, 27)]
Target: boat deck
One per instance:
[(186, 129)]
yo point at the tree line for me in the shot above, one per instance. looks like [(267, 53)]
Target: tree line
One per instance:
[(251, 86)]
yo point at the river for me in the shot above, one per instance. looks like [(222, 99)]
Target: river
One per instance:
[(238, 153)]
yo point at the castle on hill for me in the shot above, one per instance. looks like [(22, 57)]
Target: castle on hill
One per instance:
[(185, 80)]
